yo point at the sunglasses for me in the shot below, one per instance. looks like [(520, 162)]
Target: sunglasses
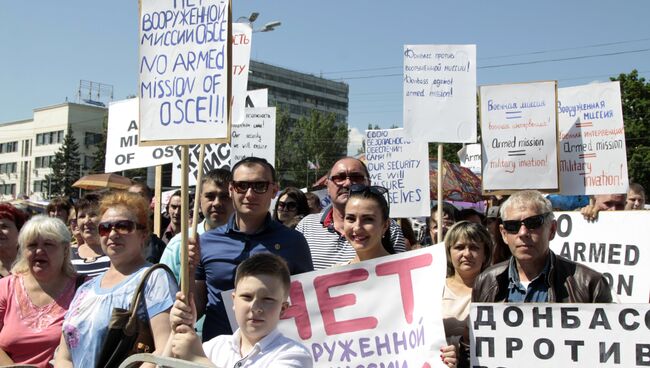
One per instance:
[(531, 223), (122, 227), (355, 178), (289, 206), (259, 187)]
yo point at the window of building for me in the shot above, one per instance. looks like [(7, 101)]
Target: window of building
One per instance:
[(8, 168), (88, 161), (8, 189), (40, 186), (8, 147), (92, 138), (43, 162), (27, 147), (49, 138)]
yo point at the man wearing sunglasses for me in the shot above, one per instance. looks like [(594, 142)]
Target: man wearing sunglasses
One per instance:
[(324, 231), (534, 273), (248, 231)]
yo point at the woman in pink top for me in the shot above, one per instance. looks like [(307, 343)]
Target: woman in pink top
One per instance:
[(35, 297)]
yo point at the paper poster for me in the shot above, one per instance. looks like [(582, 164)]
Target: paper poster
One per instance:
[(241, 54), (440, 93), (183, 70), (592, 140), (255, 136), (519, 136), (470, 157), (559, 335), (122, 150), (258, 98), (401, 165), (385, 312), (617, 245)]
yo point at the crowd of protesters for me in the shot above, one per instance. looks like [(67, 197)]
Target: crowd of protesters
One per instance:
[(62, 275)]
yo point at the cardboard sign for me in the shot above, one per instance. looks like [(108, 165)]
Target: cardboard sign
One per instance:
[(122, 150), (255, 136), (183, 71), (258, 98), (217, 156), (382, 312), (592, 139), (241, 57), (519, 136), (401, 165), (470, 157), (440, 93), (559, 335), (617, 245)]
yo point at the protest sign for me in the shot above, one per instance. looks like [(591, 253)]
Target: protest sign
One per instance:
[(440, 93), (183, 69), (255, 136), (519, 136), (617, 245), (122, 150), (401, 165), (470, 157), (241, 57), (592, 139), (559, 335), (257, 98), (217, 156), (383, 312)]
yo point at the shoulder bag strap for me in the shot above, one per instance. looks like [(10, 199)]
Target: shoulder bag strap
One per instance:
[(135, 300)]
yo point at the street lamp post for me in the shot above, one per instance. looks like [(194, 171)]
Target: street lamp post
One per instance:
[(268, 27)]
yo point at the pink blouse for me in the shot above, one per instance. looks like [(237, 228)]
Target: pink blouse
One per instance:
[(30, 334)]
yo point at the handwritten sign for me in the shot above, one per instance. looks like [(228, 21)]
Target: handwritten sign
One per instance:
[(470, 157), (122, 150), (183, 70), (559, 335), (255, 136), (217, 156), (401, 165), (617, 245), (592, 139), (519, 129), (382, 312), (241, 56), (440, 92)]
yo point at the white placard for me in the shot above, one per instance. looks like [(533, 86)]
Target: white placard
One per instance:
[(241, 55), (440, 93), (559, 335), (617, 245), (122, 150), (255, 136), (217, 156), (470, 157), (258, 98), (383, 312), (401, 165), (183, 66), (592, 139), (519, 136)]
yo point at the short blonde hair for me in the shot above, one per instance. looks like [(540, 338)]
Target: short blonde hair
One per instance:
[(44, 227)]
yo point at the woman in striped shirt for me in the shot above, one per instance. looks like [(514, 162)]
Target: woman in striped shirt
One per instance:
[(88, 258)]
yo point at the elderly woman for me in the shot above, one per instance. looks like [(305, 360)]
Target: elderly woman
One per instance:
[(291, 203), (34, 299), (11, 220), (88, 257), (468, 246), (124, 229)]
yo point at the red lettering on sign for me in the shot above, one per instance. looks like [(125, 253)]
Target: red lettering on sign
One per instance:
[(298, 310), (403, 269)]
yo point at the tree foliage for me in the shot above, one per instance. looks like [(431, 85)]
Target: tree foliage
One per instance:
[(317, 139), (65, 168), (635, 97)]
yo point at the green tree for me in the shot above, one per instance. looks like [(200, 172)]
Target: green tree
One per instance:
[(99, 157), (65, 168), (318, 139), (635, 98)]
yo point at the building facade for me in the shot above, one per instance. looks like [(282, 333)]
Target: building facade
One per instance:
[(27, 147)]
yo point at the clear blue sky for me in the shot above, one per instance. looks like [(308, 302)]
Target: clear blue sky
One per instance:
[(48, 46)]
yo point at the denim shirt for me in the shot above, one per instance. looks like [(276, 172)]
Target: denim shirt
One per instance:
[(537, 290)]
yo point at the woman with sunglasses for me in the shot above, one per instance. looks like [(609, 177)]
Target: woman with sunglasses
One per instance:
[(34, 299), (124, 230), (88, 258), (291, 203), (468, 247), (366, 226)]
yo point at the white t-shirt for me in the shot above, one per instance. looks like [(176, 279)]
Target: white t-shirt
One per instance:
[(274, 350)]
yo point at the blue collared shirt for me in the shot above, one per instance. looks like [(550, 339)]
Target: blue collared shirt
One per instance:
[(224, 248), (537, 290)]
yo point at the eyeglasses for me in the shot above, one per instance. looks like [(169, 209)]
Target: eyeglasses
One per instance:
[(122, 227), (288, 206), (259, 187), (531, 223), (355, 178), (374, 189)]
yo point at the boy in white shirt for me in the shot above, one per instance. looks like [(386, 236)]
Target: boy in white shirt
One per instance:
[(261, 290)]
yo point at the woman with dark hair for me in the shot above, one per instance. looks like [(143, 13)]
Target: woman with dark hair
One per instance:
[(291, 203), (469, 247), (11, 220), (36, 296), (60, 208), (88, 257)]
